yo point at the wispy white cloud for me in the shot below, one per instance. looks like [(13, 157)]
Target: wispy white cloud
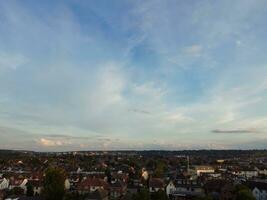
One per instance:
[(194, 50), (11, 61), (48, 143), (162, 71)]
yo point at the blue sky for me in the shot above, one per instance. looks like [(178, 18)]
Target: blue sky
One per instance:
[(105, 75)]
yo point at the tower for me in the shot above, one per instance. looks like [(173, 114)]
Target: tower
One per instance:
[(187, 164)]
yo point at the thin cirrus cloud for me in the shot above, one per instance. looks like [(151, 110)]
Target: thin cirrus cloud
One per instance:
[(49, 143), (235, 131), (92, 76), (11, 61), (194, 50)]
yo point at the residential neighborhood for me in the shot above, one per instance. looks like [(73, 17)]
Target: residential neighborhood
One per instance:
[(184, 175), (133, 99)]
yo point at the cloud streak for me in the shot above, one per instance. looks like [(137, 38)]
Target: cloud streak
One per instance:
[(235, 131), (84, 77)]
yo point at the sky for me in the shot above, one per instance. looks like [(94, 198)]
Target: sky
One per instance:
[(133, 74)]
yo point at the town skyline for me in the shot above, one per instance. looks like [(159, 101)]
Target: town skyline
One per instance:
[(133, 75)]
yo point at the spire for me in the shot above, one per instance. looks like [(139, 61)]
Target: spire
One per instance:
[(187, 164)]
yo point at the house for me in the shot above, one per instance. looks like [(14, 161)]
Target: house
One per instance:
[(4, 183), (219, 187), (37, 175), (92, 184), (67, 184), (170, 188), (74, 180), (119, 176), (18, 182), (118, 189), (227, 192), (37, 186), (24, 198), (156, 184), (203, 169), (262, 170), (259, 189), (132, 189), (184, 188), (145, 174), (189, 186), (248, 173), (213, 175), (98, 194), (2, 195), (260, 193)]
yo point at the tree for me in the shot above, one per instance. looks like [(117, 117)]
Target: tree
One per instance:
[(108, 174), (159, 195), (160, 169), (54, 188), (17, 191), (243, 193), (203, 198), (240, 187), (143, 194), (30, 191), (74, 196)]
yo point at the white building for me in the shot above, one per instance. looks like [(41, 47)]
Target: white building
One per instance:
[(183, 188), (37, 186), (262, 171), (259, 194), (67, 184), (170, 188), (203, 169), (259, 189), (156, 184), (18, 183), (248, 173), (4, 183)]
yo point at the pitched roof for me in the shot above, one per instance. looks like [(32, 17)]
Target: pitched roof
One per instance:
[(117, 184), (16, 182), (156, 183), (30, 198), (215, 185), (93, 182), (97, 195), (257, 184), (35, 183)]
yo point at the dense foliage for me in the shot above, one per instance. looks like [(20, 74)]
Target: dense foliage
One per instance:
[(54, 180)]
